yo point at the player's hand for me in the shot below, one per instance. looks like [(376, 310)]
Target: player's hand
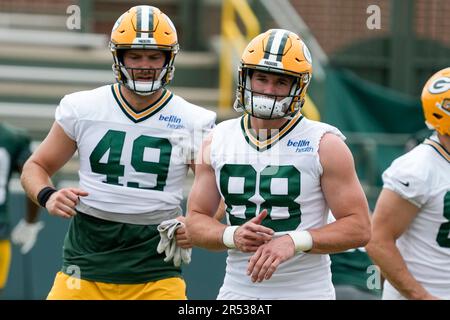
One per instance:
[(182, 236), (269, 256), (252, 234), (25, 234), (169, 242), (62, 202)]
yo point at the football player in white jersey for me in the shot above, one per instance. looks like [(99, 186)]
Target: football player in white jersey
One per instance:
[(278, 174), (411, 222), (136, 141)]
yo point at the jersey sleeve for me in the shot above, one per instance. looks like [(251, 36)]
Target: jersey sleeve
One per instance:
[(407, 178), (201, 131), (66, 117)]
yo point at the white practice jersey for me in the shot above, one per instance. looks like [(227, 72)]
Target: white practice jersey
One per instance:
[(281, 174), (422, 176), (133, 162)]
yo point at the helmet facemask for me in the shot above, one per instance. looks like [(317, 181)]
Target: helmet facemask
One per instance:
[(269, 106), (127, 75)]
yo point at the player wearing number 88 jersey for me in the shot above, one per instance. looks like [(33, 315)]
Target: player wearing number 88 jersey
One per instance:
[(278, 174), (285, 180), (136, 141)]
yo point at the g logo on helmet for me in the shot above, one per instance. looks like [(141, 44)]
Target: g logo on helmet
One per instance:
[(439, 85)]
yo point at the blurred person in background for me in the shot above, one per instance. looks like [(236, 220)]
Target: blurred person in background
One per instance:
[(136, 141), (411, 224), (278, 174), (14, 151)]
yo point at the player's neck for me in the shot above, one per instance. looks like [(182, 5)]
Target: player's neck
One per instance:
[(137, 101), (445, 141), (258, 124)]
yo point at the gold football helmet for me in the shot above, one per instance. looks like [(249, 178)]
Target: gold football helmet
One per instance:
[(144, 27), (276, 51), (436, 102)]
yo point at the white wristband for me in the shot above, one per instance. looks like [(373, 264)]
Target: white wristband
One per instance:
[(228, 236), (302, 240)]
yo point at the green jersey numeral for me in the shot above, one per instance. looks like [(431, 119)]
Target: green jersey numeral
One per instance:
[(292, 175), (113, 142), (247, 176), (444, 231), (160, 168), (248, 173)]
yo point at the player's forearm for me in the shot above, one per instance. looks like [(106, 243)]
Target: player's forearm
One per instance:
[(343, 234), (205, 231), (33, 179), (387, 256)]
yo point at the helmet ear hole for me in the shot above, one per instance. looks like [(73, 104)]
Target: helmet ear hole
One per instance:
[(438, 116)]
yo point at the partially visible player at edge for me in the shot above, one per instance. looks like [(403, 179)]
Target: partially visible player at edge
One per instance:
[(411, 221)]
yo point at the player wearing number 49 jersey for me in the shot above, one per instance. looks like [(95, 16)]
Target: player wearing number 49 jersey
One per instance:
[(129, 163), (278, 174), (136, 141), (411, 224)]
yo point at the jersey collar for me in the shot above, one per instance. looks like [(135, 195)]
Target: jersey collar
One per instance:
[(138, 116), (262, 145), (439, 148)]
